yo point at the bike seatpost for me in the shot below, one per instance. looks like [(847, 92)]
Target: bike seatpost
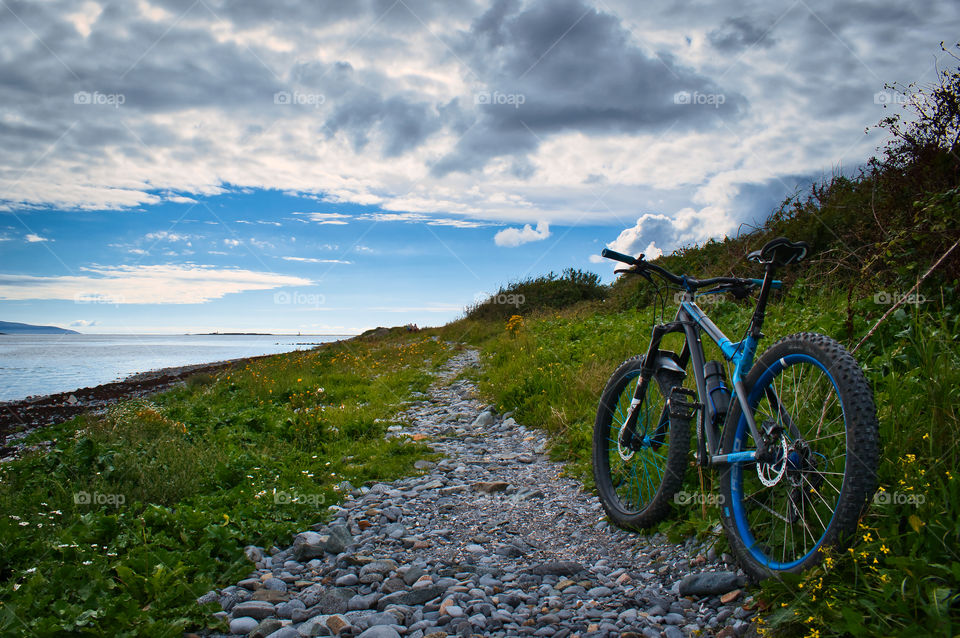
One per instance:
[(759, 313)]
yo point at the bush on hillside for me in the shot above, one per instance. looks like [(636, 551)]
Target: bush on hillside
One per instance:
[(550, 291)]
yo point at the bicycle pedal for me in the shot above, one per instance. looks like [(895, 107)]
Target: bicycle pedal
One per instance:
[(679, 406)]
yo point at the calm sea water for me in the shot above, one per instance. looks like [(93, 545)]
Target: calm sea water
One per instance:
[(46, 364)]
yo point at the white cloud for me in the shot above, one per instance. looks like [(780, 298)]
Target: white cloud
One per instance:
[(654, 234), (33, 238), (180, 199), (314, 260), (517, 236), (165, 235), (82, 323), (232, 243), (421, 218), (327, 218), (159, 284)]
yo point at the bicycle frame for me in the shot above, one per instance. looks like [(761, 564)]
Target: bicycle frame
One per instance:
[(691, 321)]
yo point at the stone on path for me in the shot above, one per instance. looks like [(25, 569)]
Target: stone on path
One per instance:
[(709, 583)]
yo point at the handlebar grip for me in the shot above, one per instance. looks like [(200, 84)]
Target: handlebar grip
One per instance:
[(612, 254)]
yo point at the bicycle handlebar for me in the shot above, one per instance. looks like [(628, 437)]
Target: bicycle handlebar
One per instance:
[(612, 254), (642, 267)]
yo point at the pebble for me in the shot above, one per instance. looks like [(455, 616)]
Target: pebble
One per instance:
[(490, 539)]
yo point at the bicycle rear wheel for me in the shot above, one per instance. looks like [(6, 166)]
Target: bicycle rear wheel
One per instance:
[(815, 411), (638, 473)]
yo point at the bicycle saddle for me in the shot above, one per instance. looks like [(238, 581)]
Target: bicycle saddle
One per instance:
[(781, 251)]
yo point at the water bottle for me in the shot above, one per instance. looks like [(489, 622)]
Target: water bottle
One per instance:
[(718, 398)]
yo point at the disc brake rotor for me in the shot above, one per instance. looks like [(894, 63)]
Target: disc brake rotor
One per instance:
[(771, 473)]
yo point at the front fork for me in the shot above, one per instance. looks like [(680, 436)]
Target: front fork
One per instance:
[(647, 371)]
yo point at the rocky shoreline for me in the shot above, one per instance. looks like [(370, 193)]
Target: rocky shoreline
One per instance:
[(492, 541), (20, 418)]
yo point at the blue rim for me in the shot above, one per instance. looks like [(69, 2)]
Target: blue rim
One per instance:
[(736, 471), (649, 480)]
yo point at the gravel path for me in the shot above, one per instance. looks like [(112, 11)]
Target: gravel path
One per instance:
[(490, 541)]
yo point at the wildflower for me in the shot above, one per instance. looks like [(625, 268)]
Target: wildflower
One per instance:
[(867, 537), (884, 549)]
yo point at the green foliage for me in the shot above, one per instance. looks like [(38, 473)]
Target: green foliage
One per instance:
[(129, 517), (550, 291)]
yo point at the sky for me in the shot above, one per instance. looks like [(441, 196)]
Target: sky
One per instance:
[(325, 167)]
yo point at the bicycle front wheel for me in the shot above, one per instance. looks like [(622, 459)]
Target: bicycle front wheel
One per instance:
[(816, 415), (637, 473)]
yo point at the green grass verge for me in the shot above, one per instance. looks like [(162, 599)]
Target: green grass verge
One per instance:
[(126, 519)]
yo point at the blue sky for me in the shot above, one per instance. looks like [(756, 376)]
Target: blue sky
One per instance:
[(327, 167)]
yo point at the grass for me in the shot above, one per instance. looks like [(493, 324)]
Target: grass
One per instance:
[(129, 517)]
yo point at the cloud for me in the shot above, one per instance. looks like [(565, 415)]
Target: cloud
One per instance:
[(34, 238), (656, 234), (164, 235), (556, 65), (741, 33), (314, 260), (327, 218), (421, 218), (82, 323), (511, 111), (232, 243), (159, 284), (517, 236)]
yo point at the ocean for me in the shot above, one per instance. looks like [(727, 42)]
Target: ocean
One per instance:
[(47, 364)]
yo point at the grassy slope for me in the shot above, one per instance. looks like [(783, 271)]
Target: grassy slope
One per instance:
[(188, 478)]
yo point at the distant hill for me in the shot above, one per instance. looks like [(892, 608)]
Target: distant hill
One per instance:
[(14, 328)]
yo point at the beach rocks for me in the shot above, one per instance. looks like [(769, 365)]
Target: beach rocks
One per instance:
[(489, 540)]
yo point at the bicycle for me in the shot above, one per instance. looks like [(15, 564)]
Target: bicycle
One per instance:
[(795, 435)]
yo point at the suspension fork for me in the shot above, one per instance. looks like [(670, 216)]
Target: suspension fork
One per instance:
[(647, 371)]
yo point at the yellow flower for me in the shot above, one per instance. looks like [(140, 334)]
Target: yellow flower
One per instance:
[(884, 549), (867, 537)]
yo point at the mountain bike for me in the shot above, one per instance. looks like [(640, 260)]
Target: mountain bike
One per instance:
[(794, 435)]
